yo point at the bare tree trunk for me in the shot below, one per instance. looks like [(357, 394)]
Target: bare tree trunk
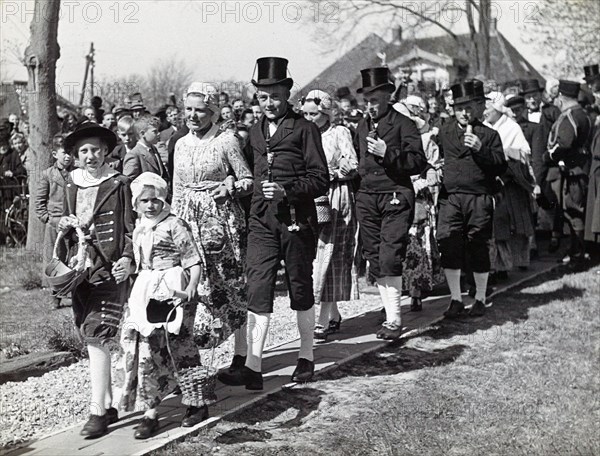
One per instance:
[(40, 59), (484, 35), (473, 33)]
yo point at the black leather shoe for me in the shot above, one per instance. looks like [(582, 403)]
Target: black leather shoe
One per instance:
[(416, 305), (112, 414), (243, 377), (194, 415), (389, 331), (334, 325), (455, 309), (477, 310), (95, 427), (146, 428), (304, 371)]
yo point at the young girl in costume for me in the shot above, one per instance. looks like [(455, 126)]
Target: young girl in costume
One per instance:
[(167, 261)]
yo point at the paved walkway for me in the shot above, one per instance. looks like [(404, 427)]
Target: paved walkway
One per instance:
[(356, 338)]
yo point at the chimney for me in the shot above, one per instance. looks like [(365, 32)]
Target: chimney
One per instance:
[(398, 35)]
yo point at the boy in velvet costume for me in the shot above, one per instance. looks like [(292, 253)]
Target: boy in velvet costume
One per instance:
[(98, 200), (290, 171)]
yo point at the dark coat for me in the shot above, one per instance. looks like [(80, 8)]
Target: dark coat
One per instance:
[(140, 160), (113, 217), (171, 147), (299, 165), (533, 134), (468, 171), (592, 215), (403, 157), (569, 138), (50, 197), (11, 162)]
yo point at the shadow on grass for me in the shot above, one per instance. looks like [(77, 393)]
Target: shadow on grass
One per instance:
[(511, 306), (301, 402)]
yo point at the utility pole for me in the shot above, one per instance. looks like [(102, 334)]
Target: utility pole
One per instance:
[(89, 61)]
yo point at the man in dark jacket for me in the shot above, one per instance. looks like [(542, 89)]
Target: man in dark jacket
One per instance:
[(568, 149), (390, 150), (290, 171), (473, 157)]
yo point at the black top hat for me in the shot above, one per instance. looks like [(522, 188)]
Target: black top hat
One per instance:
[(530, 86), (91, 130), (467, 91), (272, 71), (568, 88), (591, 72), (376, 78), (343, 92), (514, 101)]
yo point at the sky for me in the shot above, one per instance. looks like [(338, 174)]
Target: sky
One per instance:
[(220, 40)]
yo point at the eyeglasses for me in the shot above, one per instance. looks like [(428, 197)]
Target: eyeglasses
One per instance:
[(311, 114)]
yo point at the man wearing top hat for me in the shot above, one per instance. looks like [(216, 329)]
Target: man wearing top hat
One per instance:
[(390, 151), (473, 158), (568, 144), (290, 171), (544, 114), (592, 87)]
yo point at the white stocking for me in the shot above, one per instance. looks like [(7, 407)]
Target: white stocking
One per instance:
[(100, 378), (258, 327), (453, 279), (306, 325), (481, 279), (393, 286)]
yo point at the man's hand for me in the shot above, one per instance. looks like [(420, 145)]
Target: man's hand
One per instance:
[(273, 191), (472, 141), (376, 146), (67, 222), (121, 269), (8, 173), (220, 194), (537, 191)]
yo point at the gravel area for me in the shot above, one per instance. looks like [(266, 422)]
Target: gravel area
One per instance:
[(59, 399)]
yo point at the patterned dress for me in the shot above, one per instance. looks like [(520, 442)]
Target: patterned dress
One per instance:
[(200, 166), (145, 370), (334, 277)]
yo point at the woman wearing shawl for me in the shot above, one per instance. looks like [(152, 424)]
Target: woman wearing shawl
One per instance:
[(513, 215), (332, 268)]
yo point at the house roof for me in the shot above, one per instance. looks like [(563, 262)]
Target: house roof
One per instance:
[(346, 70), (506, 61), (11, 102)]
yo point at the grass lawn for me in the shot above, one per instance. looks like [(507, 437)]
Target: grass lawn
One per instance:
[(28, 318), (523, 380)]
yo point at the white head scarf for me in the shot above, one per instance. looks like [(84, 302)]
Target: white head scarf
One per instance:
[(208, 93), (497, 101), (324, 104), (143, 235)]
